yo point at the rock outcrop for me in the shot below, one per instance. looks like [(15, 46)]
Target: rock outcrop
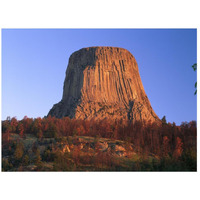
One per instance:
[(103, 83)]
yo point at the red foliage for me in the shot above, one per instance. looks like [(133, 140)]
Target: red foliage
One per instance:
[(21, 129), (146, 137), (178, 149), (165, 146)]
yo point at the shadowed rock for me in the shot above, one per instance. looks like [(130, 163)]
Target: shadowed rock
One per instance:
[(103, 83)]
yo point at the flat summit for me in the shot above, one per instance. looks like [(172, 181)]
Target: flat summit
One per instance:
[(103, 83)]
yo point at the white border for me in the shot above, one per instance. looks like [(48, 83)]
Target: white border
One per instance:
[(100, 14)]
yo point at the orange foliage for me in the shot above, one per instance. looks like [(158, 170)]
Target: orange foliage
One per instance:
[(178, 149), (145, 136), (165, 146)]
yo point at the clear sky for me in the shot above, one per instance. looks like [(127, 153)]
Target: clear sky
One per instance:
[(34, 63)]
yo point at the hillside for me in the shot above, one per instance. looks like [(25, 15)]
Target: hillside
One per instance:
[(51, 144)]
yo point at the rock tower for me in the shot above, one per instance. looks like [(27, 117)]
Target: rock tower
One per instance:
[(103, 83)]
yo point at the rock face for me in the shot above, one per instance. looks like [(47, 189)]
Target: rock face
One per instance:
[(103, 83)]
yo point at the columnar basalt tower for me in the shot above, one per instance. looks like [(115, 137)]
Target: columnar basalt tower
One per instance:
[(103, 83)]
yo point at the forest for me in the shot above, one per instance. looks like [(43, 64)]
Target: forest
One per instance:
[(52, 144)]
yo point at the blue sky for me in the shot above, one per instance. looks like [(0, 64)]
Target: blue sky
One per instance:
[(34, 63)]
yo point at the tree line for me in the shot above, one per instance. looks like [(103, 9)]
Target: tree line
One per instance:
[(159, 139)]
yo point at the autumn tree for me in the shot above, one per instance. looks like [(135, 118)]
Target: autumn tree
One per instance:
[(165, 149), (26, 160), (27, 124), (80, 130), (19, 151), (20, 129), (6, 126), (178, 149), (38, 158), (13, 124)]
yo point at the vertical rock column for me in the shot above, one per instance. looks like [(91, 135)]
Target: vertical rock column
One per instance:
[(103, 83)]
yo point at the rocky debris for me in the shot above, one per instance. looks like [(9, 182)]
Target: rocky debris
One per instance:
[(103, 146), (119, 148), (81, 146), (103, 83), (66, 148), (92, 146), (120, 153), (31, 167), (87, 147)]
